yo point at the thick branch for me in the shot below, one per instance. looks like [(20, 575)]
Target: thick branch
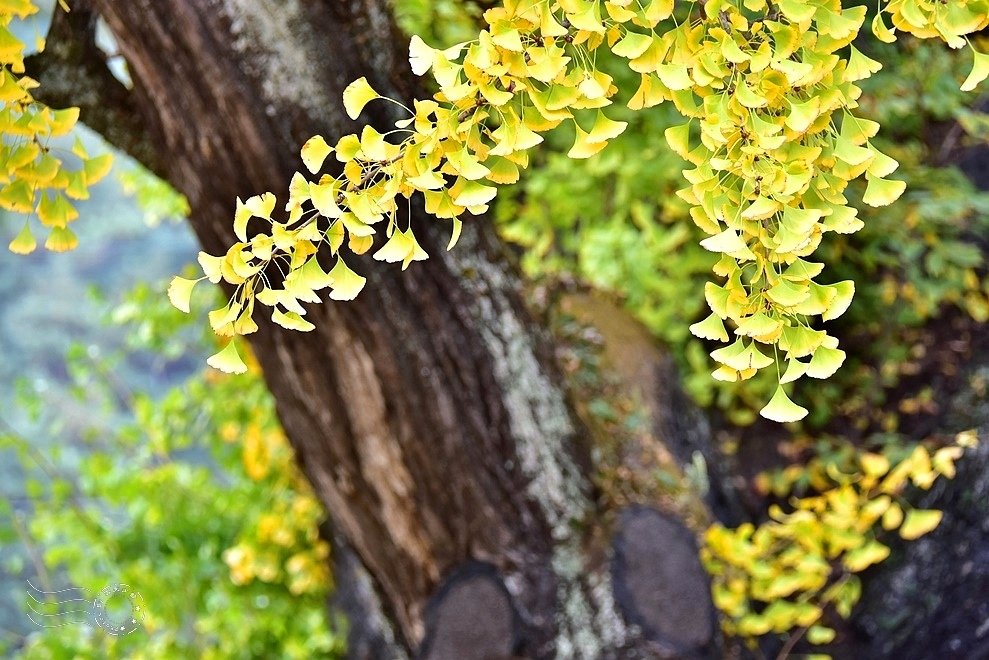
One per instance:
[(72, 71)]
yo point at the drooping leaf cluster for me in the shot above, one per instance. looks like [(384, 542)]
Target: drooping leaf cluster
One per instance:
[(35, 178), (768, 90), (615, 223), (785, 573)]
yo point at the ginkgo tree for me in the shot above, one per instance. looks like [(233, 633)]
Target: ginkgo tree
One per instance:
[(768, 94), (426, 413)]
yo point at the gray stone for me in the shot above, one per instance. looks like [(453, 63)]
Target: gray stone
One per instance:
[(660, 585), (471, 617)]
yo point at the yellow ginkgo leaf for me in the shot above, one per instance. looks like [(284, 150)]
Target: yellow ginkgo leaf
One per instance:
[(781, 409), (396, 248), (292, 321), (314, 152), (227, 360), (97, 167), (358, 94), (825, 362), (472, 193), (61, 239), (678, 137), (882, 32), (802, 115), (420, 55), (796, 11), (860, 66), (24, 242), (844, 292), (919, 522), (261, 206), (324, 197), (882, 192), (794, 370), (63, 121), (710, 328), (860, 559), (582, 147), (605, 129), (892, 517), (180, 291), (346, 283), (455, 236), (54, 210), (211, 266)]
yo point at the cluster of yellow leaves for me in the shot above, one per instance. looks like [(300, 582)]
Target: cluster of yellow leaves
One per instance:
[(33, 177), (524, 75), (772, 101), (768, 90), (785, 572), (283, 544)]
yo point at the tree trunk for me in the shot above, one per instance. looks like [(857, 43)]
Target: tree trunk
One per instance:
[(428, 414)]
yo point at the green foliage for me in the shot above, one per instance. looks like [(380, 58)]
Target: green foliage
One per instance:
[(158, 200), (785, 573), (768, 90), (196, 503), (442, 22), (35, 179)]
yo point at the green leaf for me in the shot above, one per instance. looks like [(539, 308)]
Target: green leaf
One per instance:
[(358, 94), (980, 70), (678, 137), (781, 409), (228, 360)]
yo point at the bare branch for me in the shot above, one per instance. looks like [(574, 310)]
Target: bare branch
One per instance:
[(72, 71)]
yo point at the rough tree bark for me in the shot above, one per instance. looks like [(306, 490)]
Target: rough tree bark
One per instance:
[(428, 414)]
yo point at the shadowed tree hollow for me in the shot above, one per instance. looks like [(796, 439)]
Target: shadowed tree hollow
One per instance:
[(428, 414)]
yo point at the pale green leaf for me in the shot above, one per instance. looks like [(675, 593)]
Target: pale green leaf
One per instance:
[(227, 360)]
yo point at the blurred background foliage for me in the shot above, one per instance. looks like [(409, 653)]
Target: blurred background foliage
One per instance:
[(195, 502), (127, 463)]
